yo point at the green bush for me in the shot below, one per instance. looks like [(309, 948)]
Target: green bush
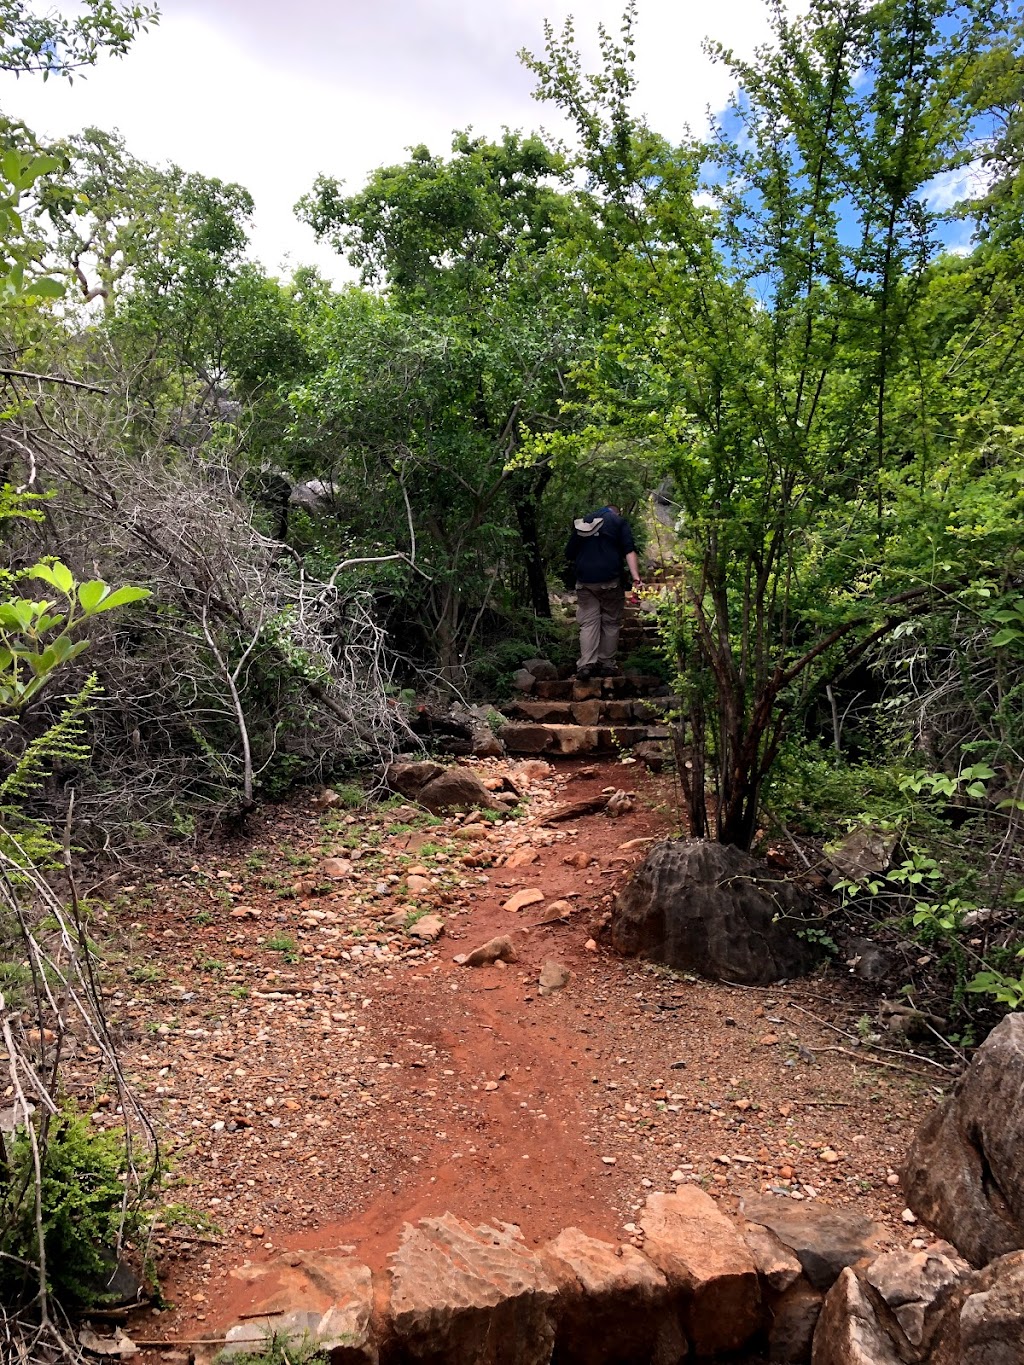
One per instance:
[(83, 1212)]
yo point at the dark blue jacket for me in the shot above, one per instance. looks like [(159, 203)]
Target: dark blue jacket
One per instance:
[(599, 559)]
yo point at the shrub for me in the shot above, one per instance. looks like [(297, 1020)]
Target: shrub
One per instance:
[(83, 1212)]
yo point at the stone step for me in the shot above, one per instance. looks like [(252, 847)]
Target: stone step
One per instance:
[(595, 711), (629, 685), (554, 740)]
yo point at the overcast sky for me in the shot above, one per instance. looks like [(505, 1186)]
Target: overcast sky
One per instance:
[(269, 94)]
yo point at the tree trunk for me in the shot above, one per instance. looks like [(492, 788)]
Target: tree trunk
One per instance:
[(527, 491)]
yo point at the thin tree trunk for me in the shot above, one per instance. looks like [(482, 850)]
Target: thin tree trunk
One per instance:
[(527, 493)]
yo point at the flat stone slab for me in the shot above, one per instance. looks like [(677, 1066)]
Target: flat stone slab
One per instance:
[(552, 740), (825, 1240), (542, 712), (465, 1295)]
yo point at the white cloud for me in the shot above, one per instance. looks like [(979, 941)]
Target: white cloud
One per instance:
[(270, 96)]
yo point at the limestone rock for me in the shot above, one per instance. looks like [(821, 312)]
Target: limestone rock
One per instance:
[(527, 738), (917, 1285), (519, 900), (849, 1331), (427, 928), (486, 744), (498, 949), (701, 1253), (825, 1240), (655, 753), (701, 906), (776, 1264), (964, 1175), (337, 868), (553, 977), (410, 778), (466, 1295), (522, 857), (614, 1306), (453, 789), (864, 852), (794, 1316), (985, 1323), (324, 1296)]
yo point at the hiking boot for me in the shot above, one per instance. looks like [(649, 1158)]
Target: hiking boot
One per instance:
[(585, 673), (608, 671)]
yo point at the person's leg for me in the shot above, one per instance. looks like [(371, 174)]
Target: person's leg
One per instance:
[(588, 616), (613, 606)]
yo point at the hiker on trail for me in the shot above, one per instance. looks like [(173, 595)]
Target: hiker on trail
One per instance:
[(600, 544)]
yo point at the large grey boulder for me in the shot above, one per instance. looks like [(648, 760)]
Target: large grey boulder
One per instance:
[(964, 1173), (710, 908), (986, 1323)]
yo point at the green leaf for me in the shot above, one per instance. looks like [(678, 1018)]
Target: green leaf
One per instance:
[(122, 596), (58, 576), (91, 594), (1006, 636), (45, 288)]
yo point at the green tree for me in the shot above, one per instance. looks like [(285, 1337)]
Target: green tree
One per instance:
[(56, 44), (471, 346), (761, 290)]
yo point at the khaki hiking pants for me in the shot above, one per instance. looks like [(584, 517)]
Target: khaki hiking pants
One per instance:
[(599, 609)]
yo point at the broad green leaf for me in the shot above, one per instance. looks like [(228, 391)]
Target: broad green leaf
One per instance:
[(91, 594), (122, 596), (46, 288)]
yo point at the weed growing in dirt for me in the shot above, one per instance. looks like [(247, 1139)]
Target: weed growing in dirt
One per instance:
[(285, 945), (279, 1350), (145, 972), (202, 917)]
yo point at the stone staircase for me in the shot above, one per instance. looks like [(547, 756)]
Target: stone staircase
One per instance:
[(604, 715), (601, 716)]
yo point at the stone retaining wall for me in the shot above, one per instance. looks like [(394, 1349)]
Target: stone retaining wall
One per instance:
[(694, 1282)]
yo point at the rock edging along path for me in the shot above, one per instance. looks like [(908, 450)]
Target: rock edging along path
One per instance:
[(460, 1294)]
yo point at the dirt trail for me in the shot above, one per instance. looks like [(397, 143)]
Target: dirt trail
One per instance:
[(438, 1087)]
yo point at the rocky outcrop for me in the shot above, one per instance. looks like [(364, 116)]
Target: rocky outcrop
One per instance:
[(705, 907), (964, 1173), (696, 1283), (924, 1308), (702, 1255), (465, 1295)]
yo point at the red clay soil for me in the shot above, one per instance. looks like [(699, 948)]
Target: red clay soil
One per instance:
[(326, 1101)]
